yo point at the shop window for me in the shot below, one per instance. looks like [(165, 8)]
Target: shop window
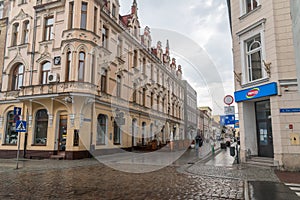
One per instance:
[(45, 71), (144, 134), (41, 127), (81, 67), (11, 136), (76, 137), (17, 77), (117, 133), (101, 129)]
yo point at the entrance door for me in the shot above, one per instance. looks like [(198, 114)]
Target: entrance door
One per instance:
[(62, 132), (264, 129)]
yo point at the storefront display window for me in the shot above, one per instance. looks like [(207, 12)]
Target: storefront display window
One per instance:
[(41, 127), (11, 136)]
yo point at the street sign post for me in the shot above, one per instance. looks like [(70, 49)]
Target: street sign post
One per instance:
[(17, 111), (229, 110), (229, 119), (228, 100), (20, 127)]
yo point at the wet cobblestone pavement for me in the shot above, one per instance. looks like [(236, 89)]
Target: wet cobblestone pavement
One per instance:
[(88, 179)]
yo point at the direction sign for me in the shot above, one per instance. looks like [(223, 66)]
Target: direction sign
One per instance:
[(229, 119), (21, 126), (222, 120), (17, 111)]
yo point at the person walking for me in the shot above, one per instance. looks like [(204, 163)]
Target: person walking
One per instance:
[(198, 143)]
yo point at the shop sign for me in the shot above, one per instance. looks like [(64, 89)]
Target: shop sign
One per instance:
[(269, 89)]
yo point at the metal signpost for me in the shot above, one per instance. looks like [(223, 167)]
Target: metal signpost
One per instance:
[(20, 127)]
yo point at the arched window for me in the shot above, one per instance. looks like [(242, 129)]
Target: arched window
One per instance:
[(11, 136), (254, 52), (101, 129), (17, 77), (68, 66), (25, 32), (81, 66), (45, 71), (41, 127), (118, 86), (15, 34)]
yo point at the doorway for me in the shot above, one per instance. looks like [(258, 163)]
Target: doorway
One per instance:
[(264, 129), (62, 137)]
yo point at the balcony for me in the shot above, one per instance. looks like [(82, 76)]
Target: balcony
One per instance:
[(58, 88)]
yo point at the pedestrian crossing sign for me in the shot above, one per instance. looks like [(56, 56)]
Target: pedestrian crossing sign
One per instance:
[(21, 126)]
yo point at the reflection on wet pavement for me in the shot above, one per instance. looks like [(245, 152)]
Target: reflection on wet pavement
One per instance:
[(221, 159)]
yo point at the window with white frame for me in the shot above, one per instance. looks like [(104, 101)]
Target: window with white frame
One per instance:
[(248, 5), (254, 58), (1, 9)]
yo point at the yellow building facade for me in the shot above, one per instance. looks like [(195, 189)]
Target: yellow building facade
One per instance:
[(86, 79)]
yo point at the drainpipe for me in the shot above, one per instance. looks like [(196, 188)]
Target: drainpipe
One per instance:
[(33, 48)]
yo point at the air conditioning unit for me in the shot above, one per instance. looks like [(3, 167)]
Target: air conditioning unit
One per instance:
[(53, 77)]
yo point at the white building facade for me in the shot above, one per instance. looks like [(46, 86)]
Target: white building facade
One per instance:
[(265, 81)]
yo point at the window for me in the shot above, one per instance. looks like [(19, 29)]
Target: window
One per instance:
[(48, 34), (101, 129), (25, 32), (144, 65), (105, 37), (95, 19), (17, 77), (71, 10), (248, 5), (45, 71), (15, 34), (41, 127), (103, 80), (1, 9), (134, 93), (11, 136), (144, 133), (144, 97), (113, 10), (117, 133), (157, 102), (119, 48), (152, 99), (22, 1), (83, 15), (68, 66), (135, 58), (118, 86), (81, 66), (254, 60)]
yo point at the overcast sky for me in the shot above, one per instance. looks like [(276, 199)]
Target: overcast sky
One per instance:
[(199, 36)]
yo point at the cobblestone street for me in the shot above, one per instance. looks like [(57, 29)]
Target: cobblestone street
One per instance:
[(96, 181), (90, 179)]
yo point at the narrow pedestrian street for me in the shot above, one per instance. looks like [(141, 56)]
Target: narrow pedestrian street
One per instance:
[(192, 176)]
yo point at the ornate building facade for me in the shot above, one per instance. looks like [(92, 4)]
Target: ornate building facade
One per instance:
[(86, 79), (266, 81)]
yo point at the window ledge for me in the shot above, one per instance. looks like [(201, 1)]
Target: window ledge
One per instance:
[(249, 13), (9, 144), (37, 145), (256, 82)]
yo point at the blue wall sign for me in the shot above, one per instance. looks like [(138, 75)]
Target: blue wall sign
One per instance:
[(289, 110), (256, 92), (237, 124)]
